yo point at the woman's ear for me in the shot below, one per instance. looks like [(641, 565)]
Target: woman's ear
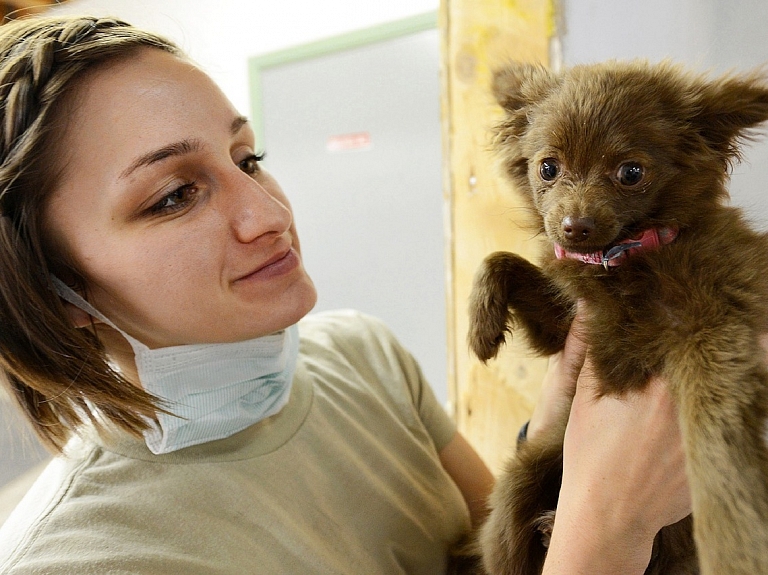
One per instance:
[(78, 317)]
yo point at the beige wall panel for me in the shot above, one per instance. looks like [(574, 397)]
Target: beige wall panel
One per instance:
[(485, 214)]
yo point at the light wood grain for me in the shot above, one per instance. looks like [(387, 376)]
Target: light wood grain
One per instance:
[(484, 213)]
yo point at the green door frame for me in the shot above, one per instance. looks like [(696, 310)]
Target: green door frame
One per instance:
[(257, 64)]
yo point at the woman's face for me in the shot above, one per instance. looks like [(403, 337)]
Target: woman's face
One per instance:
[(181, 236)]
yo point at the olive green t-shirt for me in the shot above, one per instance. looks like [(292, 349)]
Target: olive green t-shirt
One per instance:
[(344, 480)]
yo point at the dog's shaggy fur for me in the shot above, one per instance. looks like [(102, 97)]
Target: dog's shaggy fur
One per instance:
[(603, 153)]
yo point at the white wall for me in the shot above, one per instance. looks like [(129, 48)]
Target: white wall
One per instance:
[(221, 35)]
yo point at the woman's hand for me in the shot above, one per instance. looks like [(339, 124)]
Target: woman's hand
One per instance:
[(559, 384), (623, 480)]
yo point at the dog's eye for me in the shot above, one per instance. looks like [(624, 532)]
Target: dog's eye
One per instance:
[(549, 169), (630, 174)]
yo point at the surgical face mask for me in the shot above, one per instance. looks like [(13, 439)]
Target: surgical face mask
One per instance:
[(212, 390)]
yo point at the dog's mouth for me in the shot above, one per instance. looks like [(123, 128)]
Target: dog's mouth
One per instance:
[(615, 254)]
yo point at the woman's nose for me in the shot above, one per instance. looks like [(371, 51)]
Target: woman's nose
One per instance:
[(255, 211)]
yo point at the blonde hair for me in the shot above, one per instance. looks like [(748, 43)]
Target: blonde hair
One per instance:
[(59, 375)]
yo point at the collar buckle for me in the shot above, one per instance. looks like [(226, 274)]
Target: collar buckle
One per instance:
[(618, 251)]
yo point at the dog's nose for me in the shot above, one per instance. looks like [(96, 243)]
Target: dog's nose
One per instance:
[(577, 229)]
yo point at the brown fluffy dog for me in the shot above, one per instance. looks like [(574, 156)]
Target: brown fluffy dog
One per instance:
[(625, 167)]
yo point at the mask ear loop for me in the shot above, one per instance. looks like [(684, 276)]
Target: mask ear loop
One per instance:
[(71, 296)]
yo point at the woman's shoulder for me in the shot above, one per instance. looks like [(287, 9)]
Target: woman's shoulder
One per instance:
[(26, 527), (363, 351)]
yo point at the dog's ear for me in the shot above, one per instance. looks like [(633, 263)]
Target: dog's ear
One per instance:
[(519, 85), (518, 88), (728, 108)]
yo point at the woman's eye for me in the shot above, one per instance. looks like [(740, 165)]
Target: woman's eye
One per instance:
[(176, 200), (250, 165), (549, 169), (630, 174)]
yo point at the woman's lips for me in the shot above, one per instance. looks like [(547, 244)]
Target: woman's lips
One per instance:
[(276, 266)]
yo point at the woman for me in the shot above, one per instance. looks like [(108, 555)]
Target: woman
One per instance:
[(151, 284)]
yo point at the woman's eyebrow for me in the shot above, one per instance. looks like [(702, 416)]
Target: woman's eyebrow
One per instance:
[(176, 149), (238, 123)]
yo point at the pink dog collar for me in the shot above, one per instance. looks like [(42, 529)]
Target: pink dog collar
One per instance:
[(647, 240)]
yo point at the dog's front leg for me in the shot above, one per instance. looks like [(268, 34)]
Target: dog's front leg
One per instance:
[(722, 388), (511, 292)]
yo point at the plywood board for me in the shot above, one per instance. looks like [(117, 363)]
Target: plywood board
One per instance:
[(484, 213)]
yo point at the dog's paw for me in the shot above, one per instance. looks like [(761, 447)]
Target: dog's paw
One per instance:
[(489, 313), (486, 336)]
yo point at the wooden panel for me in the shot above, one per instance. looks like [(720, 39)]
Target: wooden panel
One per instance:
[(490, 402)]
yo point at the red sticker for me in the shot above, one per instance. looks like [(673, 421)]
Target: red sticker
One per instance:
[(344, 142)]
